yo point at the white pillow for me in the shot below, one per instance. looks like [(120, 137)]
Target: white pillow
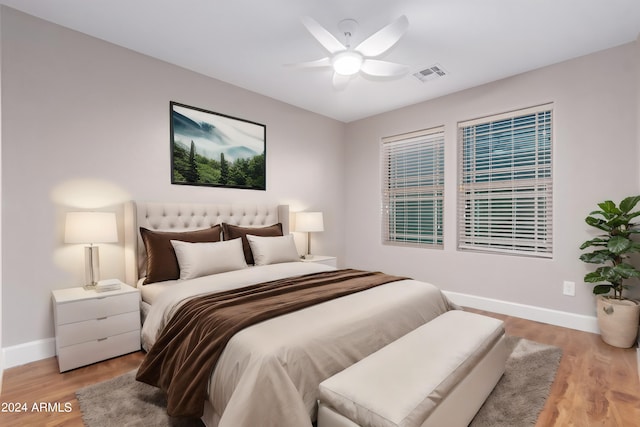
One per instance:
[(202, 259), (273, 250)]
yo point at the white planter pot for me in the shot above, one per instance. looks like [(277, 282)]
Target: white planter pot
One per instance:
[(618, 321)]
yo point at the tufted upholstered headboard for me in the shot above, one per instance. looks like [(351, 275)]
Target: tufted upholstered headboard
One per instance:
[(171, 216)]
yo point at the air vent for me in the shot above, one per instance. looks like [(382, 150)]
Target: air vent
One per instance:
[(433, 72)]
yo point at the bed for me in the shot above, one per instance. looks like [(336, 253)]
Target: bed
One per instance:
[(268, 373)]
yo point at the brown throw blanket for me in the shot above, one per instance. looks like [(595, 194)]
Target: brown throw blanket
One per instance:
[(181, 360)]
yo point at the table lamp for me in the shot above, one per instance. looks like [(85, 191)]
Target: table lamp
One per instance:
[(91, 228), (309, 222)]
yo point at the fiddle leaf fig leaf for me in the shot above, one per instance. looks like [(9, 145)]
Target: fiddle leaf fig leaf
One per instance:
[(597, 257), (619, 244), (602, 289), (594, 242), (593, 277), (609, 207), (597, 223), (632, 215), (627, 271), (629, 203)]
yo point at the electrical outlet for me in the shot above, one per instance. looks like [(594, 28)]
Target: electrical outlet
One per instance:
[(569, 288)]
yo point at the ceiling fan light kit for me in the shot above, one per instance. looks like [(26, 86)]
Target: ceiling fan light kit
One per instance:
[(347, 61)]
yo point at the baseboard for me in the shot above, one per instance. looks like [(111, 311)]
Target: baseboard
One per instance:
[(22, 354), (565, 319)]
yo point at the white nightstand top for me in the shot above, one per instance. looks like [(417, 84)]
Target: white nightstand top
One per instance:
[(79, 293), (318, 258)]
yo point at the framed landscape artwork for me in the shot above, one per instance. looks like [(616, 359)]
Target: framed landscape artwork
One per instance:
[(216, 150)]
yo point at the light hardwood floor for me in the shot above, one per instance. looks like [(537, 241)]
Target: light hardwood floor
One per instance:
[(596, 385)]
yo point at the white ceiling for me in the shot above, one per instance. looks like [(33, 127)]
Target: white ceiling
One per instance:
[(247, 42)]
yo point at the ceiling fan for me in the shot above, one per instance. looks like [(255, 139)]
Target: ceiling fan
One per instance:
[(347, 61)]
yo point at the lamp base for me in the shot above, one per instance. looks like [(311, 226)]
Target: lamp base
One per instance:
[(308, 256), (90, 287), (91, 266)]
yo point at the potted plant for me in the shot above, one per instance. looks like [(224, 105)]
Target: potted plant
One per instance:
[(618, 317)]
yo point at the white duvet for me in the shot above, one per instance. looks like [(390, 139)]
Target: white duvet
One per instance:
[(268, 375)]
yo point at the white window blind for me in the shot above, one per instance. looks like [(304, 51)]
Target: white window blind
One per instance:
[(505, 183), (412, 188)]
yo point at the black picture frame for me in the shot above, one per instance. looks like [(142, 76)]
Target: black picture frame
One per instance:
[(216, 150)]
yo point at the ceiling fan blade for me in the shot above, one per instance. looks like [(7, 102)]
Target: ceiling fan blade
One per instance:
[(324, 62), (376, 68), (384, 39), (340, 82), (326, 39)]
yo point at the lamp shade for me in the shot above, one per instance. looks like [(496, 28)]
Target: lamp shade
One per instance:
[(309, 222), (90, 227)]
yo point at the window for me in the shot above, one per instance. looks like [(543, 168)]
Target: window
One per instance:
[(412, 188), (505, 183)]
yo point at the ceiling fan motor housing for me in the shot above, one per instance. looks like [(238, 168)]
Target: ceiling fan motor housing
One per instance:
[(348, 27)]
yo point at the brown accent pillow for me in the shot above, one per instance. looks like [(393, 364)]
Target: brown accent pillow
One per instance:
[(162, 263), (231, 232)]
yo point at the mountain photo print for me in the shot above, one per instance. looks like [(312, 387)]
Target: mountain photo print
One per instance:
[(216, 150)]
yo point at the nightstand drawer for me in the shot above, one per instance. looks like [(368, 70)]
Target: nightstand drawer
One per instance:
[(79, 332), (73, 356), (95, 308)]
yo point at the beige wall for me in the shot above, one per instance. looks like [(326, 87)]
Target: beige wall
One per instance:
[(595, 158), (77, 111)]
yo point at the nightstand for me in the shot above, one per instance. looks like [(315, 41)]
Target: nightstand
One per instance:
[(92, 326), (323, 259)]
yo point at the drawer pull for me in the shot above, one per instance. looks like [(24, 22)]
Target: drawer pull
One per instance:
[(102, 318), (103, 339)]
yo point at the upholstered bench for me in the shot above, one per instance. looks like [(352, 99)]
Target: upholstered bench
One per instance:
[(437, 375)]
